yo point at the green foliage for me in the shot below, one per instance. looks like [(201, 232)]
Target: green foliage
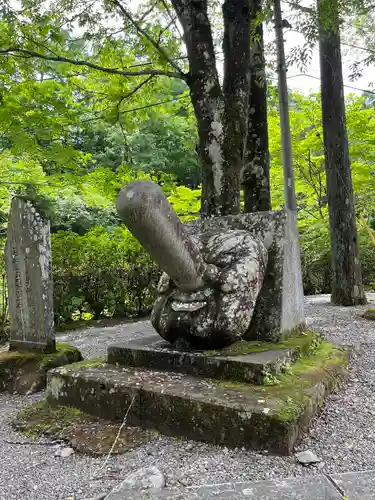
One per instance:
[(104, 273), (167, 145), (308, 158), (72, 136)]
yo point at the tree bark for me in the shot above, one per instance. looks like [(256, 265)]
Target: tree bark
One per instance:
[(256, 181), (236, 49), (221, 113), (347, 288)]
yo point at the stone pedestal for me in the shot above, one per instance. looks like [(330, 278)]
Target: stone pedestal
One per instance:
[(263, 399), (243, 361)]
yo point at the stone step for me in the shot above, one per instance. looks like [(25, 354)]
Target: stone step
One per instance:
[(176, 404), (227, 364)]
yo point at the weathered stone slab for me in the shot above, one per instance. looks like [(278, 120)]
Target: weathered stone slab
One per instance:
[(29, 275), (301, 488), (279, 306), (356, 485), (236, 363), (232, 414)]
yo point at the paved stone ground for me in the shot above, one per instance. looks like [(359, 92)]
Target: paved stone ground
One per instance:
[(343, 436), (354, 486)]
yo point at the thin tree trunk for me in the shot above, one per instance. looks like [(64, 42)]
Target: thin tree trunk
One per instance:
[(221, 114), (256, 182), (347, 289)]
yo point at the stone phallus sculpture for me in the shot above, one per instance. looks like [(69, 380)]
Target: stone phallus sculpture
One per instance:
[(210, 281)]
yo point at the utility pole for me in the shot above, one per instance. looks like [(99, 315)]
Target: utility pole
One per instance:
[(286, 142), (293, 280)]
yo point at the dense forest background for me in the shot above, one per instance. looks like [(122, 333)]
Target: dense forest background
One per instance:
[(72, 135)]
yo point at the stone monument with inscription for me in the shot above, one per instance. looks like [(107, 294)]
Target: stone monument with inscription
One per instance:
[(29, 275)]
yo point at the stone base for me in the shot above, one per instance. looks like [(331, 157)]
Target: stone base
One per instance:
[(235, 414), (244, 361), (25, 371)]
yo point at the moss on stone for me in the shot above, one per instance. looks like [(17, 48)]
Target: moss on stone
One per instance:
[(65, 354), (22, 371), (86, 433), (304, 342), (43, 419), (87, 363), (292, 387), (223, 412), (287, 395), (369, 314), (17, 358)]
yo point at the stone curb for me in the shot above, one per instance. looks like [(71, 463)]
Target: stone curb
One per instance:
[(351, 486)]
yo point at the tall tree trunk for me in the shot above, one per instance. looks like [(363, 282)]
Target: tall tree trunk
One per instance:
[(347, 286), (256, 182), (236, 48), (221, 113), (207, 99)]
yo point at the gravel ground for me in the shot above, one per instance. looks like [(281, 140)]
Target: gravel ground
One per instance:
[(343, 436)]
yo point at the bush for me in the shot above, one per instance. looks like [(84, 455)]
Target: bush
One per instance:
[(102, 273), (367, 257), (316, 259)]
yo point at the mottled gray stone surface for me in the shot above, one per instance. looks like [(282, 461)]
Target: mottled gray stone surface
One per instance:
[(150, 217), (29, 274), (148, 479), (280, 304), (302, 488), (220, 312), (225, 278), (356, 485)]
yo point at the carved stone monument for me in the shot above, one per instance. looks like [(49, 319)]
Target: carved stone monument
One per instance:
[(224, 279), (29, 274), (229, 310)]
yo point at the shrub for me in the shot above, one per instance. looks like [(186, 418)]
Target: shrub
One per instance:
[(316, 259), (103, 273)]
